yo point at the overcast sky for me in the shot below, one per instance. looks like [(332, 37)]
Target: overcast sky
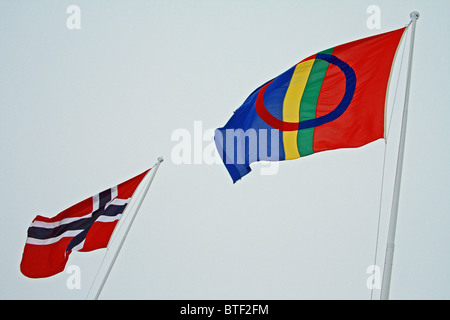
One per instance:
[(82, 110)]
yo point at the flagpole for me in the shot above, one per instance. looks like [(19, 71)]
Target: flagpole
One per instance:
[(386, 283), (160, 159)]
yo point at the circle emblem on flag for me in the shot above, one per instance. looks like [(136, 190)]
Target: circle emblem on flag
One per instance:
[(350, 85)]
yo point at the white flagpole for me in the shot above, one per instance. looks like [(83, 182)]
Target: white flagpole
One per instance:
[(160, 159), (386, 283)]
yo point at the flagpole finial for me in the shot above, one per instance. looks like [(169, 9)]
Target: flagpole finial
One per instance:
[(160, 159), (414, 15)]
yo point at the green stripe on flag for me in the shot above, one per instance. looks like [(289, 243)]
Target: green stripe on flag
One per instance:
[(308, 104)]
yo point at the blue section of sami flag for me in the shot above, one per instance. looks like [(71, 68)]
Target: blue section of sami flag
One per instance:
[(275, 93), (234, 140)]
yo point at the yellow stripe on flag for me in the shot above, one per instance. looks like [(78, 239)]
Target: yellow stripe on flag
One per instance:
[(291, 106)]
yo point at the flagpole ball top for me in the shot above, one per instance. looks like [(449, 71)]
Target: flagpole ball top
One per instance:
[(414, 15), (160, 159)]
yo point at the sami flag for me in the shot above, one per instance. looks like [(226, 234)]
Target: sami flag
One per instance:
[(332, 99), (85, 226)]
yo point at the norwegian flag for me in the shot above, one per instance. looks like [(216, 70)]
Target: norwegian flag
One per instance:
[(85, 226)]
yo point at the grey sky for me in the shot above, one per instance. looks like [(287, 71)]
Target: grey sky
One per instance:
[(83, 110)]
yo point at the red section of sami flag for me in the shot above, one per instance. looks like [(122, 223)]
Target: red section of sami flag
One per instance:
[(46, 255), (363, 121)]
